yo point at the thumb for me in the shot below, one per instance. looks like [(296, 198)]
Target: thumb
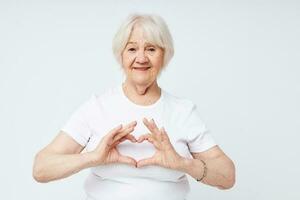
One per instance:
[(127, 160), (146, 162)]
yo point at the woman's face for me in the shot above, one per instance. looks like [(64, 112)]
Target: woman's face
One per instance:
[(141, 60)]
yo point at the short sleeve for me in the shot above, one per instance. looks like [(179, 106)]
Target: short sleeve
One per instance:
[(77, 126), (199, 138)]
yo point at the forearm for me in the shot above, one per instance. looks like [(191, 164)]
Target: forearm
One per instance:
[(220, 171), (49, 167)]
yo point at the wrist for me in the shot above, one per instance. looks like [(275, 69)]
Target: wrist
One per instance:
[(188, 166), (89, 159), (184, 164), (204, 172)]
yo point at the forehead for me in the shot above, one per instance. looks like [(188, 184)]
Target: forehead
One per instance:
[(139, 35)]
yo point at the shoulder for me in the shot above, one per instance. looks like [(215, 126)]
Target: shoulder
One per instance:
[(97, 100), (183, 113), (108, 95), (180, 104)]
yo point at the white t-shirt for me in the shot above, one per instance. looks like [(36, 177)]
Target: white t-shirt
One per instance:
[(97, 116)]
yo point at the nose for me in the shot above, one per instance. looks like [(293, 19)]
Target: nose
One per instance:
[(141, 58)]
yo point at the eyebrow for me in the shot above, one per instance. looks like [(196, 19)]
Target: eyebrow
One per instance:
[(131, 42), (147, 43)]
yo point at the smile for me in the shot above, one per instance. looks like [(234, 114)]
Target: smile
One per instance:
[(141, 68)]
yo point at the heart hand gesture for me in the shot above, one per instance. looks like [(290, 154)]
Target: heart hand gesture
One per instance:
[(106, 151), (165, 154)]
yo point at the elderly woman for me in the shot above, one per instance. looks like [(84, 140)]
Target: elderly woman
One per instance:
[(139, 140)]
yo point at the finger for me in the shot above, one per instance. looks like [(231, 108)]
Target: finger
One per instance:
[(115, 131), (131, 138), (123, 134), (151, 127), (145, 162), (147, 124), (128, 137), (143, 137), (131, 124), (164, 134), (155, 143), (117, 142), (150, 138), (158, 133), (127, 160), (120, 127), (108, 139), (124, 128)]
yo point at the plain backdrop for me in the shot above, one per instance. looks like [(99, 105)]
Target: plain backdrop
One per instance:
[(237, 60)]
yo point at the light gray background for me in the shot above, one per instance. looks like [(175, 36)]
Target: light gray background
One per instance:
[(237, 60)]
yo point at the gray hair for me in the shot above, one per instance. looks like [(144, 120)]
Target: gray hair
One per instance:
[(156, 32)]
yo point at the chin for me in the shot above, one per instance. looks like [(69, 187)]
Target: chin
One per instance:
[(141, 81)]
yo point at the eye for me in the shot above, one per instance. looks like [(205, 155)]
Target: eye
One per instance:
[(131, 49), (151, 49)]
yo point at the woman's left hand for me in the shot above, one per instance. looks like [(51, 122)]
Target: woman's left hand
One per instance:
[(165, 154)]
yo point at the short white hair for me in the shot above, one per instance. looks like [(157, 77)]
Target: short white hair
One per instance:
[(156, 32)]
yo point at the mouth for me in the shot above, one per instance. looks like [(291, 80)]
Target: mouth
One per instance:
[(141, 68)]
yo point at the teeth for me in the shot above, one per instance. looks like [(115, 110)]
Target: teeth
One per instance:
[(141, 68)]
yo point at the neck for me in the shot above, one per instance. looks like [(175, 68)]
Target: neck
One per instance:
[(141, 94)]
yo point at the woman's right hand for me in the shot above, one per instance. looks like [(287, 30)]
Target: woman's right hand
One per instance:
[(106, 151)]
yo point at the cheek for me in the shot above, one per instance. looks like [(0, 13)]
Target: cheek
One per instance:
[(158, 58), (157, 62), (127, 60)]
